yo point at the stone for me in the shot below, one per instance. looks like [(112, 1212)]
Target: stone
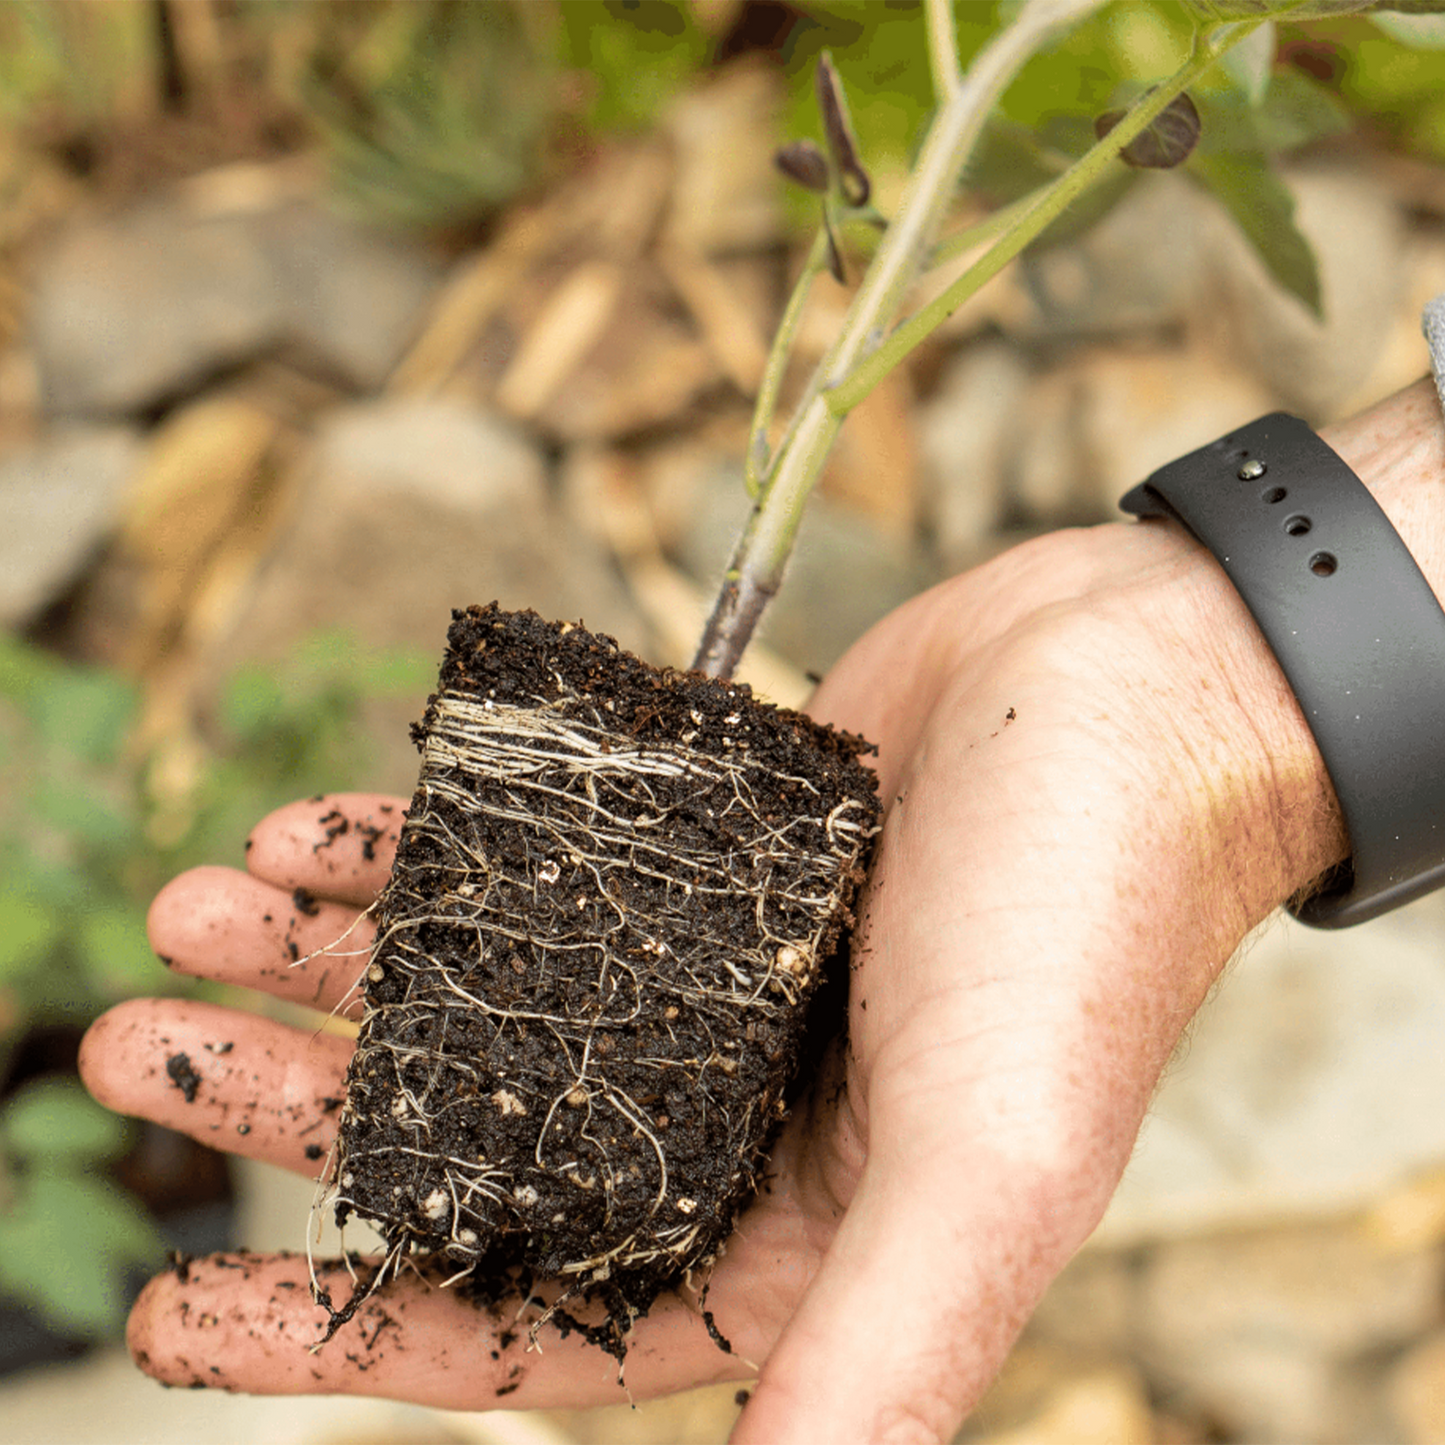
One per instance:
[(60, 499), (1271, 1332), (1103, 419), (1139, 409), (1105, 1406), (1090, 1308), (1309, 1085), (138, 308), (1416, 1392), (1358, 236), (352, 298), (409, 508), (1137, 269), (726, 194), (968, 436)]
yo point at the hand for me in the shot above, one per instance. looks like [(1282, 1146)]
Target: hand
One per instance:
[(1097, 782)]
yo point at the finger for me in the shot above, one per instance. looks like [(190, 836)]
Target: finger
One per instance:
[(237, 1082), (248, 1323), (223, 925), (338, 845)]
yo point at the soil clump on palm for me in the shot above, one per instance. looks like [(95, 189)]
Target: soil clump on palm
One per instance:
[(616, 891)]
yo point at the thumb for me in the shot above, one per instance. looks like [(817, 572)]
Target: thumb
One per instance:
[(923, 1291)]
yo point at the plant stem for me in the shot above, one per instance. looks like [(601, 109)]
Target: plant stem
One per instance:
[(980, 232), (755, 571), (942, 49), (1048, 207), (756, 465)]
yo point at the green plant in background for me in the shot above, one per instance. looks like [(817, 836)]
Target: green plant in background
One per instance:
[(1225, 50), (69, 1238), (440, 111), (433, 112), (84, 844), (73, 862)]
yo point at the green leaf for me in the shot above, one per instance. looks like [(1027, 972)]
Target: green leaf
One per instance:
[(252, 702), (115, 952), (1222, 12), (66, 1246), (1250, 64), (28, 932), (85, 712), (636, 55), (1419, 32), (1263, 209), (1166, 143), (84, 812), (1296, 112), (56, 1119)]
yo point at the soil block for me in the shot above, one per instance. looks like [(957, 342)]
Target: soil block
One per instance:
[(615, 892)]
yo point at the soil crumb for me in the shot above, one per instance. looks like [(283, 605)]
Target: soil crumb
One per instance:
[(183, 1075)]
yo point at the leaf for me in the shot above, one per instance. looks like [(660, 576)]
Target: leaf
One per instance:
[(85, 712), (1296, 112), (804, 164), (1419, 32), (252, 702), (55, 1118), (83, 812), (28, 932), (1250, 64), (115, 952), (66, 1246), (1263, 209), (853, 180), (1163, 144), (1222, 12)]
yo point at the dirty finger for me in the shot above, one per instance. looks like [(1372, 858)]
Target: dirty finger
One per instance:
[(237, 1082)]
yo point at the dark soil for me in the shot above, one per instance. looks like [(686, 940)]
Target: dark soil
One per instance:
[(183, 1075), (615, 893)]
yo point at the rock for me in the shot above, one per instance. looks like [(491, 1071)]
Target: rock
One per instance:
[(1138, 269), (1417, 1393), (1141, 409), (1106, 1406), (968, 436), (1328, 1288), (352, 298), (1311, 1082), (59, 500), (1104, 419), (133, 310), (1269, 1332), (726, 195), (1402, 356), (1090, 1308), (1358, 234), (407, 509)]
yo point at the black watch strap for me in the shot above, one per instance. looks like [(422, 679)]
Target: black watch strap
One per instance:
[(1356, 630)]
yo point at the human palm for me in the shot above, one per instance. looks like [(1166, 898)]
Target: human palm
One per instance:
[(1038, 928)]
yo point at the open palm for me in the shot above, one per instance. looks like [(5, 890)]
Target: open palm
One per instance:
[(1053, 894)]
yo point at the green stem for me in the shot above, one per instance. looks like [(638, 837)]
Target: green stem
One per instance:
[(1056, 199), (942, 49), (756, 464), (993, 224), (755, 572)]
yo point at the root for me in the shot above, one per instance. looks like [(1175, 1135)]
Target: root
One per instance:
[(589, 971)]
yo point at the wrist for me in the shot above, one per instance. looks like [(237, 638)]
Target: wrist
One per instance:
[(1398, 450)]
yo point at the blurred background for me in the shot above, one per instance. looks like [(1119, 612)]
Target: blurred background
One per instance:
[(318, 320)]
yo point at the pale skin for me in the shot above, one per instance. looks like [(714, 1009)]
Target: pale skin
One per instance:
[(1097, 782)]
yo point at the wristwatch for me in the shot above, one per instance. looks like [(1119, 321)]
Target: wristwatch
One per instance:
[(1357, 632)]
